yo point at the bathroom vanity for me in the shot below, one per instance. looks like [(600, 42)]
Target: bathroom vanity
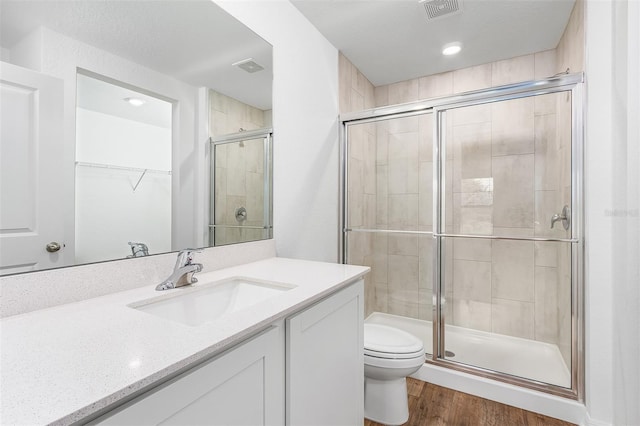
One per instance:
[(284, 344)]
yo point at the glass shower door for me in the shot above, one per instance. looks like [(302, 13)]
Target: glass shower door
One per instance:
[(388, 221), (241, 196), (505, 240)]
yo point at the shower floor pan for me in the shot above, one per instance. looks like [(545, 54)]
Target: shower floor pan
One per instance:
[(505, 354)]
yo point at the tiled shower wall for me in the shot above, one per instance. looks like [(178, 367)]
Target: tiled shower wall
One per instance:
[(239, 168), (516, 288)]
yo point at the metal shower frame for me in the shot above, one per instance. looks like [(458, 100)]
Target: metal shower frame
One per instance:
[(563, 83)]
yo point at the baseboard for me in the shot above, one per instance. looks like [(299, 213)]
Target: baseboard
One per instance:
[(588, 421)]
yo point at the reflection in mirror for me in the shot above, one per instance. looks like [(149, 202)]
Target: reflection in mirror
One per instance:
[(241, 172), (207, 69), (123, 172)]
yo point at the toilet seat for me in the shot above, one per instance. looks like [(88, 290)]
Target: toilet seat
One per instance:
[(381, 341)]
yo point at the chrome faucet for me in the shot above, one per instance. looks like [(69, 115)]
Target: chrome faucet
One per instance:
[(183, 271)]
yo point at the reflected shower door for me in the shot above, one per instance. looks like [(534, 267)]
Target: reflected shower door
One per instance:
[(505, 236), (241, 199)]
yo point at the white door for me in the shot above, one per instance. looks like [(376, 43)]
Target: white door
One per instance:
[(31, 154)]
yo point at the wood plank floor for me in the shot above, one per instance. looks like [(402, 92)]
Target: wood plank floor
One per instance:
[(434, 405)]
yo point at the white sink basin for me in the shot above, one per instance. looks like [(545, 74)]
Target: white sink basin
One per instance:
[(208, 302)]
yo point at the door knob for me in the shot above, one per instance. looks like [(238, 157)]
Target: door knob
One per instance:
[(53, 247), (565, 217)]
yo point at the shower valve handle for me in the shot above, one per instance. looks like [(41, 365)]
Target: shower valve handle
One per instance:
[(565, 217)]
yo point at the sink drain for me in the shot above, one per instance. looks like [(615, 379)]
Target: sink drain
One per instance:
[(449, 354)]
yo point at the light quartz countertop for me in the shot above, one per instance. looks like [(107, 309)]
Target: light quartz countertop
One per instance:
[(61, 364)]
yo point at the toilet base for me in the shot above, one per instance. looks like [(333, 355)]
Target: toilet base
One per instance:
[(385, 401)]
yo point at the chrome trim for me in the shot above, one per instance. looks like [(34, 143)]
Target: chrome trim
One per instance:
[(577, 251), (500, 237), (241, 226), (387, 231), (536, 86), (241, 136), (342, 199), (267, 181)]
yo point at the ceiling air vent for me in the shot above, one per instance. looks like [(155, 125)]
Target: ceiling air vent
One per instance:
[(441, 8), (249, 65)]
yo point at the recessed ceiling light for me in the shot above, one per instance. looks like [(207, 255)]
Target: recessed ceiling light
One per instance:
[(451, 48), (135, 101)]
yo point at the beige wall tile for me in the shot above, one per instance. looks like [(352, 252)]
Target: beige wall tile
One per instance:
[(512, 272), (255, 197), (403, 91), (472, 151), (403, 244), (513, 195), (403, 211), (425, 135), (356, 209), (546, 304), (382, 177), (475, 220), (512, 129), (545, 104), (512, 318), (472, 249), (403, 285), (357, 101), (381, 94), (425, 197), (403, 125), (545, 64), (425, 255), (380, 268), (382, 144), (512, 70), (435, 86), (472, 78), (546, 253), (471, 314), (547, 161), (472, 280), (470, 115)]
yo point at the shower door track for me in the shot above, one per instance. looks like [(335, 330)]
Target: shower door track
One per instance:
[(563, 83)]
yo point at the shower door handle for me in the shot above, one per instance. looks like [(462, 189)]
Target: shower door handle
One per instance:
[(565, 217)]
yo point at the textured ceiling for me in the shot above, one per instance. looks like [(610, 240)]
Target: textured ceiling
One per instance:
[(392, 40), (194, 41)]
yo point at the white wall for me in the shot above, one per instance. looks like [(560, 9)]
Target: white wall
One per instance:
[(60, 56), (305, 113), (613, 212), (108, 199)]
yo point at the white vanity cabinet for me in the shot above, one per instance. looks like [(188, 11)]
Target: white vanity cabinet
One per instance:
[(305, 370), (325, 361), (242, 386)]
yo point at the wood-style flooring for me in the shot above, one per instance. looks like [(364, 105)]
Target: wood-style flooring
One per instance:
[(434, 405)]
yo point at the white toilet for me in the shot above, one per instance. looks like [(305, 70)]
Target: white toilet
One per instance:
[(390, 355)]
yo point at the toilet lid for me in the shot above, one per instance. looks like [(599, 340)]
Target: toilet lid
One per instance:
[(381, 339)]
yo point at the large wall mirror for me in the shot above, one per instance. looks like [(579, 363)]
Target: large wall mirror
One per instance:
[(109, 114)]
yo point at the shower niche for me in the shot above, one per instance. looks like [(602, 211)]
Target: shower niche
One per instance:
[(458, 206)]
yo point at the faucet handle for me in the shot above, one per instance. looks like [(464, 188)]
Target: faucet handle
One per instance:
[(186, 256)]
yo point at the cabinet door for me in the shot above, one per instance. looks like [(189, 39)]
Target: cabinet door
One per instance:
[(242, 386), (325, 364)]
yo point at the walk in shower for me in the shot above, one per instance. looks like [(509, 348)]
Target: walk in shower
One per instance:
[(468, 209)]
